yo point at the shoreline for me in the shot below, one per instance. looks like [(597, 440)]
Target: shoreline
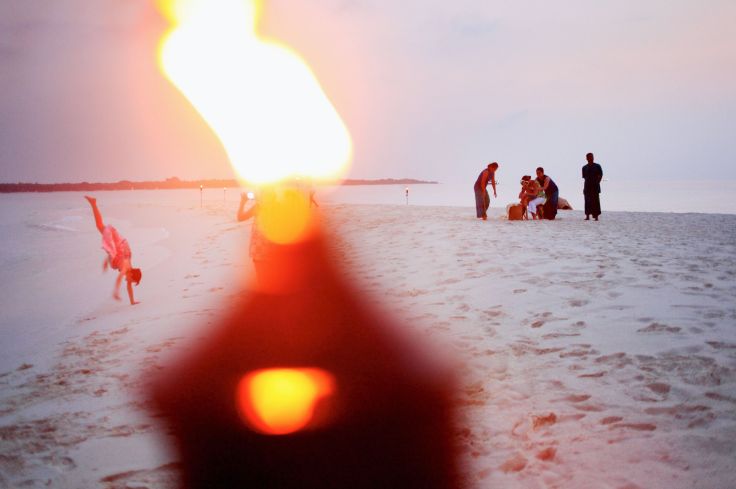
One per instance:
[(125, 185), (618, 197), (329, 201), (560, 212)]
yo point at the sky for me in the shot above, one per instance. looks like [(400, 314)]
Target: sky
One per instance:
[(429, 89)]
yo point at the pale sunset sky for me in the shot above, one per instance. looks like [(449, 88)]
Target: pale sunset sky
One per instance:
[(429, 89)]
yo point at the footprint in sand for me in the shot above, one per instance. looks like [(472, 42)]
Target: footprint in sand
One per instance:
[(473, 274), (716, 396), (615, 360), (514, 464), (448, 281), (541, 420), (575, 398), (543, 318), (463, 307), (490, 331), (411, 293), (164, 476), (546, 454), (659, 328), (690, 416), (59, 462), (492, 314), (552, 336), (635, 426), (721, 345), (689, 368), (659, 387), (484, 473), (441, 326), (589, 408), (579, 351), (594, 375)]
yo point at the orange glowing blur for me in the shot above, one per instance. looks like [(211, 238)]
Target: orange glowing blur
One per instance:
[(260, 98), (285, 215), (282, 400)]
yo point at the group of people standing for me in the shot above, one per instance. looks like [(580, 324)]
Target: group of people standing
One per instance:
[(540, 196)]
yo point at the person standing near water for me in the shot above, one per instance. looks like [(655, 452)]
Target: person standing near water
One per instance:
[(592, 174), (118, 254), (482, 199)]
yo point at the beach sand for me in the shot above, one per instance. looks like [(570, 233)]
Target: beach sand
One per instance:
[(589, 354)]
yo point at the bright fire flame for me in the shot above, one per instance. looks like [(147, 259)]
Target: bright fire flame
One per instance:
[(263, 102), (282, 401)]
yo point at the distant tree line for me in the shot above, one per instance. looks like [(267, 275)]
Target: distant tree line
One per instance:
[(168, 184)]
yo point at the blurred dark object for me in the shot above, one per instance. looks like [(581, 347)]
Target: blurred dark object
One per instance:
[(387, 423)]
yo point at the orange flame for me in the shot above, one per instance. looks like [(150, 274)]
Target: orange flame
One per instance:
[(282, 401), (261, 99)]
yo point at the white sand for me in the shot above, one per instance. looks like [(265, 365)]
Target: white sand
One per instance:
[(591, 354)]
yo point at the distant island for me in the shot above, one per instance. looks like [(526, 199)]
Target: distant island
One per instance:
[(171, 183)]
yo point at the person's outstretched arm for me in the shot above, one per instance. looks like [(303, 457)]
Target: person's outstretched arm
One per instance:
[(118, 281), (244, 215), (493, 184), (130, 294)]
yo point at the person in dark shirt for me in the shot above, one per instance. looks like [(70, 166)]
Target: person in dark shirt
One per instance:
[(482, 199), (551, 192), (592, 174)]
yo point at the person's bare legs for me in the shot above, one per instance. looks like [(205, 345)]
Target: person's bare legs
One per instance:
[(98, 217), (130, 293)]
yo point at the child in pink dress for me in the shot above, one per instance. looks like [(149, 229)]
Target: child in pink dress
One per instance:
[(118, 254)]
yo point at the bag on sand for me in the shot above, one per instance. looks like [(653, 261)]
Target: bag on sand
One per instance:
[(515, 212)]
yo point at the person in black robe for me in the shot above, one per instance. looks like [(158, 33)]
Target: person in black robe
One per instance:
[(592, 174), (551, 191)]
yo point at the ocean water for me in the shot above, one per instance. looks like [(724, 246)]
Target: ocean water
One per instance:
[(700, 196)]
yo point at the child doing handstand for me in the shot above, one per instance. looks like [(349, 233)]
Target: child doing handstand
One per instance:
[(118, 254)]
